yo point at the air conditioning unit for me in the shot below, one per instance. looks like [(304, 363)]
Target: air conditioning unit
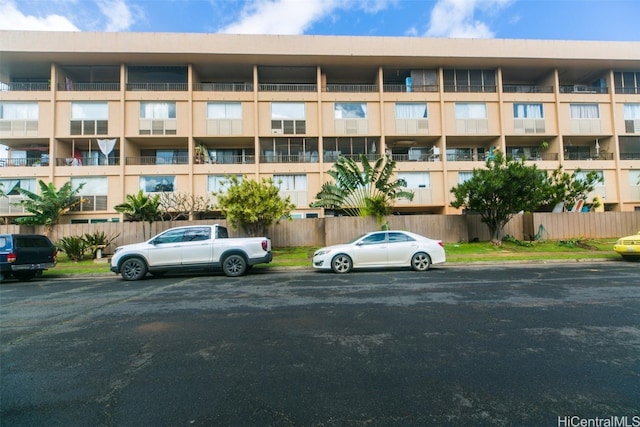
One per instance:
[(276, 131)]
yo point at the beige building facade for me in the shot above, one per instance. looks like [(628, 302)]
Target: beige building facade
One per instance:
[(160, 112)]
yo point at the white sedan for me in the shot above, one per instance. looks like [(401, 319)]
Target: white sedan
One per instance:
[(381, 249)]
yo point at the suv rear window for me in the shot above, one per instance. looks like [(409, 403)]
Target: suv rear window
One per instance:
[(32, 242)]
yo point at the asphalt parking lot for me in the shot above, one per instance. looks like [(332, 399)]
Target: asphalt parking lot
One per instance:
[(491, 345)]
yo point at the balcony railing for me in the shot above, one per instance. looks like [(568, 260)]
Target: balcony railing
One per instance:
[(588, 156), (158, 87), (87, 87), (223, 87), (351, 88), (628, 90), (583, 89), (289, 158), (282, 87), (411, 158), (156, 160), (412, 88), (100, 161), (246, 159), (470, 88), (25, 87), (629, 156), (509, 88), (22, 162), (466, 157)]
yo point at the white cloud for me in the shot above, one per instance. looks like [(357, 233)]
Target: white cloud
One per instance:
[(280, 16), (119, 15), (14, 19), (455, 18)]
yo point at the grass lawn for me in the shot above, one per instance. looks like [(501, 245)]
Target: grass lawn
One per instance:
[(456, 253)]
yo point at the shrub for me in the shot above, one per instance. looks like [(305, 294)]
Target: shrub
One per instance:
[(97, 240), (73, 246)]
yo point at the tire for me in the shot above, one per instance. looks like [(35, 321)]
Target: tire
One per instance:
[(234, 265), (341, 264), (24, 276), (133, 269), (420, 262)]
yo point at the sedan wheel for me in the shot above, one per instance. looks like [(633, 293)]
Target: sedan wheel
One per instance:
[(234, 265), (341, 264), (420, 262), (133, 269)]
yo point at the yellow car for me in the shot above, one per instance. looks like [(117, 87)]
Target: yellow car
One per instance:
[(628, 246)]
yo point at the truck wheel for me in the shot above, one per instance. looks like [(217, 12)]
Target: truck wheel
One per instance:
[(234, 265), (133, 269), (24, 276)]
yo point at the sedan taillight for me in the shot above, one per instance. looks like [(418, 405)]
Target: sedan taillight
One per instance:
[(264, 245), (440, 243)]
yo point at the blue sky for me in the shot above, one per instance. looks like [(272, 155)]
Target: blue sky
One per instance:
[(521, 19)]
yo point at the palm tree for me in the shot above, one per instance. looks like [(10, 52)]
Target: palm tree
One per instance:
[(140, 207), (367, 192), (48, 206)]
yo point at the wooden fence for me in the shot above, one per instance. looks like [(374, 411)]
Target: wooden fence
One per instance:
[(318, 232)]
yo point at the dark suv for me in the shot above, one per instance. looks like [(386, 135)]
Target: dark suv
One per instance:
[(25, 255)]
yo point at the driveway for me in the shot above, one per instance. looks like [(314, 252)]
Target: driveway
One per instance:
[(507, 345)]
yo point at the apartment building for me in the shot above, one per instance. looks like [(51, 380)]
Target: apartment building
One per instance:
[(161, 112)]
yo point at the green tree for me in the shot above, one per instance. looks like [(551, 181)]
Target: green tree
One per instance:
[(140, 207), (252, 205), (568, 189), (503, 189), (370, 191), (48, 206)]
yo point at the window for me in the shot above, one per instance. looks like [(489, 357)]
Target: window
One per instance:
[(290, 182), (219, 183), (350, 110), (11, 187), (469, 80), (89, 110), (157, 110), (287, 110), (94, 193), (409, 110), (416, 180), (631, 111), (399, 237), (374, 239), (288, 118), (152, 184), (93, 186), (19, 110), (471, 110), (528, 111), (170, 236), (197, 234), (224, 110), (584, 111), (464, 176), (582, 176), (627, 82)]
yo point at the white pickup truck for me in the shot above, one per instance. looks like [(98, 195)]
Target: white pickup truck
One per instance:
[(198, 247)]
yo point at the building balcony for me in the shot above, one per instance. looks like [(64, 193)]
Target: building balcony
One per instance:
[(471, 88), (583, 89), (223, 87), (629, 156), (351, 88), (511, 88), (398, 88), (101, 161), (157, 160), (628, 90), (236, 159), (579, 155), (158, 87), (42, 161), (301, 157), (287, 87), (89, 87), (26, 86)]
